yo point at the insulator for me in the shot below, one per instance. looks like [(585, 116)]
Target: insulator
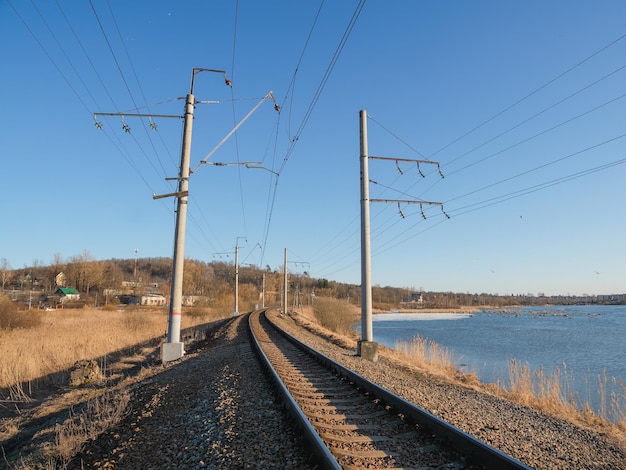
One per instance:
[(420, 170), (400, 210)]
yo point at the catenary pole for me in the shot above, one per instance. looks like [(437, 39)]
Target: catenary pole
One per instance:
[(174, 349), (367, 348), (366, 255), (237, 277), (285, 285)]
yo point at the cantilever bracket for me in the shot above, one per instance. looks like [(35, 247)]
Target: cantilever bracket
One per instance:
[(177, 194)]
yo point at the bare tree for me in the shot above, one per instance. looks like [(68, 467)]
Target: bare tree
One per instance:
[(5, 269)]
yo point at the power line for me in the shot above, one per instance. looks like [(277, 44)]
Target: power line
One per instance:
[(241, 196), (291, 87), (548, 83), (538, 187), (132, 66), (526, 172), (52, 61), (312, 105), (561, 101), (82, 47)]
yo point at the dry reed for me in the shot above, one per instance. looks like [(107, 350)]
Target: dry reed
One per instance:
[(99, 414), (335, 315), (427, 354), (64, 337)]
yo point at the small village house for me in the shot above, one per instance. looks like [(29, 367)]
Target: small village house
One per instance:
[(153, 299), (67, 294)]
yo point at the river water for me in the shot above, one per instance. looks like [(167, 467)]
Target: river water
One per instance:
[(585, 344)]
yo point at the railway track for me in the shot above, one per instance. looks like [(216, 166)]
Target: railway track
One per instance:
[(352, 423)]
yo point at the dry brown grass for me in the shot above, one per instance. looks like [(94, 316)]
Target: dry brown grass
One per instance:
[(98, 415), (63, 337), (428, 355), (11, 318), (59, 340), (554, 394), (335, 315)]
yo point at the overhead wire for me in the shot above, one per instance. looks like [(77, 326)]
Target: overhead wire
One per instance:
[(535, 91), (52, 61), (311, 107), (143, 95), (544, 110), (323, 82), (291, 87), (86, 54), (119, 146), (62, 49), (544, 165), (297, 134), (236, 137), (123, 77), (534, 136), (191, 215), (553, 105), (538, 187), (519, 124), (273, 180)]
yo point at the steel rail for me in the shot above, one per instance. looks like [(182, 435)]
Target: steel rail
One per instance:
[(319, 449), (487, 455)]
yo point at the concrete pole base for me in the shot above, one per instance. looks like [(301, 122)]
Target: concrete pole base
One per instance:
[(172, 351), (367, 350)]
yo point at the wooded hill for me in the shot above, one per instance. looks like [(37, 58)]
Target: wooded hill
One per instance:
[(213, 285)]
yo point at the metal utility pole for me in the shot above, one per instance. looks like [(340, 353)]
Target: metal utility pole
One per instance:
[(174, 349), (263, 292), (285, 285), (237, 276), (286, 280), (367, 348)]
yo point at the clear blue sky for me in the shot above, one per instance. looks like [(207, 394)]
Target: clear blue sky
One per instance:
[(521, 103)]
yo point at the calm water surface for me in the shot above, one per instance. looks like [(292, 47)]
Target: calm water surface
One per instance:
[(584, 342)]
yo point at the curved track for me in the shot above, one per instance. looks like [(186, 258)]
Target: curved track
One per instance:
[(353, 423)]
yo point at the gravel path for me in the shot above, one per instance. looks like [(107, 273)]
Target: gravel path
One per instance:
[(215, 409)]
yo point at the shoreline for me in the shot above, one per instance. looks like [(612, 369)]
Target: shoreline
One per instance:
[(461, 310)]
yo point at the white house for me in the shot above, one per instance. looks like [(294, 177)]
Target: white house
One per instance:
[(152, 299)]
